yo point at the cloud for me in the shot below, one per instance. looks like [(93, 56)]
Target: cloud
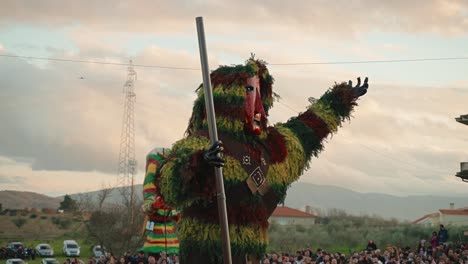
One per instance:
[(62, 126), (20, 177), (9, 180), (63, 122), (177, 17), (400, 138)]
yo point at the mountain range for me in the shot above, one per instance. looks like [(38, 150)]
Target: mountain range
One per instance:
[(319, 197)]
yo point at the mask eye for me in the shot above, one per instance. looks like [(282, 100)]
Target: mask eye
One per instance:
[(249, 88)]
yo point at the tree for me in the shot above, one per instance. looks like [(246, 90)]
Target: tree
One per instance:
[(117, 227), (19, 222), (68, 204)]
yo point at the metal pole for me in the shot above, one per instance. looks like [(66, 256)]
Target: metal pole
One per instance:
[(210, 115)]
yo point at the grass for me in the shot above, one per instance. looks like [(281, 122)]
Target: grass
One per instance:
[(44, 228), (56, 244)]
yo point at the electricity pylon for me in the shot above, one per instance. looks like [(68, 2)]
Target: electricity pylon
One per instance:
[(127, 161)]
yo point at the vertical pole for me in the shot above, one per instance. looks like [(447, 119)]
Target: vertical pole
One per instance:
[(222, 210)]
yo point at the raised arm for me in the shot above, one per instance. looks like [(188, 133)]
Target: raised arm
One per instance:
[(304, 134)]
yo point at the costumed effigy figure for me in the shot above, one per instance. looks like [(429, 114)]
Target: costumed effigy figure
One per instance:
[(161, 235), (259, 161)]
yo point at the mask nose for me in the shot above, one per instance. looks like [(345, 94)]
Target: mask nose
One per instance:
[(257, 123)]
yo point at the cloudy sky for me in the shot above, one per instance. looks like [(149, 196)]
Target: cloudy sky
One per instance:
[(60, 133)]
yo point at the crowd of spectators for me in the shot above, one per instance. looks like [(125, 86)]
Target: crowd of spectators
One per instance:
[(139, 258), (436, 250)]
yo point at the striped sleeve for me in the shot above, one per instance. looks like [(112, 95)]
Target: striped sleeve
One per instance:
[(322, 118)]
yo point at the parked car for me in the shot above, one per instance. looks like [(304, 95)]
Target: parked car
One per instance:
[(44, 250), (18, 250), (99, 251), (15, 261), (49, 261), (15, 246), (71, 248)]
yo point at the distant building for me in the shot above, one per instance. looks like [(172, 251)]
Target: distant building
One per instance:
[(456, 217), (284, 215), (463, 174)]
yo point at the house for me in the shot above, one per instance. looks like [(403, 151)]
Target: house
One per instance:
[(284, 215), (456, 217)]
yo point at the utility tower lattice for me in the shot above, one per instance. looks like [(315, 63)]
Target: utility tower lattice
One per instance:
[(127, 162)]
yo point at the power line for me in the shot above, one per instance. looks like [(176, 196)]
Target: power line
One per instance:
[(369, 61), (99, 62), (272, 64)]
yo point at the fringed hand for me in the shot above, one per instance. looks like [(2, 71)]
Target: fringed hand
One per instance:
[(359, 90), (211, 155)]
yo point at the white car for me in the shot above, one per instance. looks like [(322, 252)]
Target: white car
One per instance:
[(99, 251), (15, 261), (71, 248), (49, 261), (44, 250)]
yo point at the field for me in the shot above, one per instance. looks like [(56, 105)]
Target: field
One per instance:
[(51, 228), (335, 233)]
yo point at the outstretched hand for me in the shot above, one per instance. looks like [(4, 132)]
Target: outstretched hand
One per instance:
[(211, 155), (359, 90)]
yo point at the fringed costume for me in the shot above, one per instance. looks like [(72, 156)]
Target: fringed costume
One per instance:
[(161, 234), (261, 161)]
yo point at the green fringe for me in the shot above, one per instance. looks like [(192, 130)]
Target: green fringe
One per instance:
[(250, 68), (327, 114), (334, 98), (310, 143), (205, 238), (172, 188)]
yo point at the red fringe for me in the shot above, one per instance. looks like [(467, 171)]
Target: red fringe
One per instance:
[(276, 146), (163, 219), (311, 120), (203, 186), (255, 153), (151, 161)]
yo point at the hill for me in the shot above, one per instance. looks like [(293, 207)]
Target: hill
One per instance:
[(323, 197), (20, 200), (388, 206)]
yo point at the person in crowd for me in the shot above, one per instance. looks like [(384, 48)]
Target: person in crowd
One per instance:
[(274, 259), (122, 260), (151, 260), (164, 258), (140, 258), (371, 245), (102, 260), (443, 234)]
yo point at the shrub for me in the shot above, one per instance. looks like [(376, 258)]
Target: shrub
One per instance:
[(55, 220), (19, 222), (65, 223), (33, 216)]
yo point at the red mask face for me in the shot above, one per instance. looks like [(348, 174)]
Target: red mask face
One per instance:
[(254, 111)]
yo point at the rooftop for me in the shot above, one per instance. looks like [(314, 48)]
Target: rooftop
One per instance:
[(284, 211), (424, 217), (454, 211)]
